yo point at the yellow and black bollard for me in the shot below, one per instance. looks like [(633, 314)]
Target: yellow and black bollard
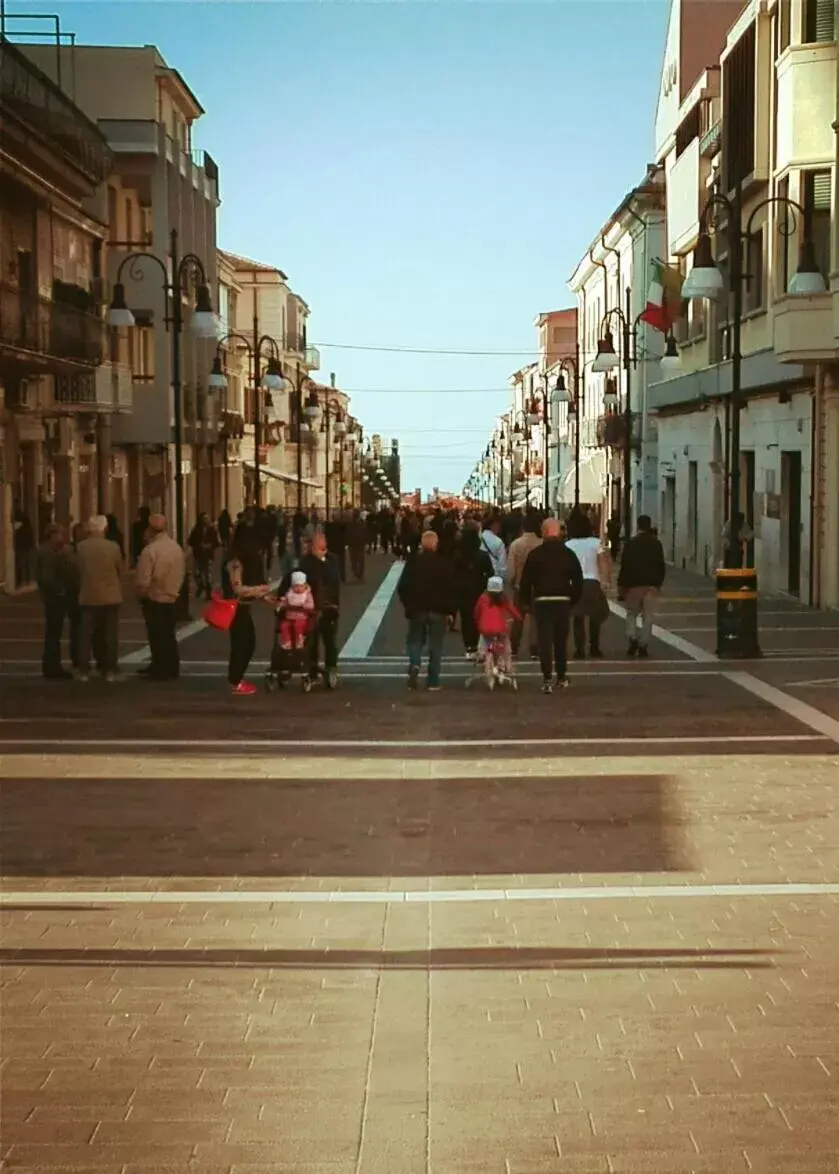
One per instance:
[(737, 614)]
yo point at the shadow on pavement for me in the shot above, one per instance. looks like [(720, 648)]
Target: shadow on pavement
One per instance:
[(380, 827), (459, 958)]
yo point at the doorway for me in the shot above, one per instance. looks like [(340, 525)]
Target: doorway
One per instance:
[(791, 517), (668, 518)]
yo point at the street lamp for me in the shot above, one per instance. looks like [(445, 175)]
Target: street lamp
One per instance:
[(607, 360), (559, 395), (706, 281), (272, 380), (521, 440), (203, 324), (563, 395), (332, 411), (671, 360)]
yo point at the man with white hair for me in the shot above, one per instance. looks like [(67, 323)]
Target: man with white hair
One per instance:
[(100, 595), (161, 568), (428, 593)]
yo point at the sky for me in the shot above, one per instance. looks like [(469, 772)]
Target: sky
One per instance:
[(427, 172)]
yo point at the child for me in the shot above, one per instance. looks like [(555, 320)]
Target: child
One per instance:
[(297, 606), (494, 613)]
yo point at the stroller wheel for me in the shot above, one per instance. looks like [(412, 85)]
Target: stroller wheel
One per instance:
[(306, 684)]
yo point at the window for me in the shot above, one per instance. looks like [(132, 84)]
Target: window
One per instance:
[(782, 26), (817, 22), (782, 237), (113, 225), (688, 131), (739, 111), (754, 274), (816, 199)]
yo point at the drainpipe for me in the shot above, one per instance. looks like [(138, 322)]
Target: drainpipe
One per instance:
[(814, 572), (602, 265)]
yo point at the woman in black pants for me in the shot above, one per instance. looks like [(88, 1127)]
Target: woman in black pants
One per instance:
[(473, 568), (247, 583)]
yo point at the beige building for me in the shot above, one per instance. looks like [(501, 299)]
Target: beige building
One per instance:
[(61, 379), (757, 116), (161, 182)]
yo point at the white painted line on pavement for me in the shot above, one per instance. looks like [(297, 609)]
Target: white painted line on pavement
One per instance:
[(255, 745), (666, 637), (793, 706), (32, 900), (140, 655), (360, 640), (811, 684)]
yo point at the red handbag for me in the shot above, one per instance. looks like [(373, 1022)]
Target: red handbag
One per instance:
[(220, 612)]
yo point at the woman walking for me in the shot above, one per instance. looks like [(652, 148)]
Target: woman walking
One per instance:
[(597, 569), (246, 584)]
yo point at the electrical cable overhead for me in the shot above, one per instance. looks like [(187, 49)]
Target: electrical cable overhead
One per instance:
[(414, 350)]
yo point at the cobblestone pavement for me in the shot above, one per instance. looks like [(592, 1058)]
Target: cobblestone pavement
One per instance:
[(370, 932)]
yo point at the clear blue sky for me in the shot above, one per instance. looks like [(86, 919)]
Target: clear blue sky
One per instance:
[(427, 174)]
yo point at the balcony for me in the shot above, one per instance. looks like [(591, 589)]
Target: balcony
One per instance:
[(47, 335), (41, 108), (295, 344), (150, 419), (132, 136), (683, 199), (804, 329), (108, 389), (312, 359)]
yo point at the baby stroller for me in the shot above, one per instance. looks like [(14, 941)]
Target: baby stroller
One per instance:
[(288, 663)]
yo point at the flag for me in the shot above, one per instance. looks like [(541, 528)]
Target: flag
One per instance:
[(664, 297)]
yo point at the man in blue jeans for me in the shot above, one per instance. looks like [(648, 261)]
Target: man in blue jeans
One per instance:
[(427, 593)]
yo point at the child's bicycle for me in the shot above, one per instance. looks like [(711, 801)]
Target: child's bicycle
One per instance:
[(494, 664)]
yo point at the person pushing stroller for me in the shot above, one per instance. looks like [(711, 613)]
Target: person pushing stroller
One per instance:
[(494, 616)]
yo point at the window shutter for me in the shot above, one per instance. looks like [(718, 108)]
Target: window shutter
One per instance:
[(821, 191)]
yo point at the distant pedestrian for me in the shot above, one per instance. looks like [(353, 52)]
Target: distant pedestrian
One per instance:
[(357, 542), (520, 548), (245, 583), (640, 579), (493, 544), (160, 576), (593, 607)]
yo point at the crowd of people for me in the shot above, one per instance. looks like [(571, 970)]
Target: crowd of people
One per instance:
[(510, 581)]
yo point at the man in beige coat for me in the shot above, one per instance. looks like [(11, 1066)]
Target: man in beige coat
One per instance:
[(100, 595), (160, 575), (520, 548)]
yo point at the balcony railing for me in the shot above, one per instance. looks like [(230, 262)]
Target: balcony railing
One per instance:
[(28, 95), (52, 330), (108, 389)]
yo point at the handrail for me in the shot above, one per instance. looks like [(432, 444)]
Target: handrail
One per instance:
[(43, 326)]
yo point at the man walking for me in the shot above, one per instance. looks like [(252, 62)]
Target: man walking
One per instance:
[(357, 540), (58, 581), (160, 574), (100, 595), (520, 548), (493, 544), (640, 579), (428, 594), (551, 584)]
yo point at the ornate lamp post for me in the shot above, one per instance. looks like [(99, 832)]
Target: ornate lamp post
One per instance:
[(575, 404)]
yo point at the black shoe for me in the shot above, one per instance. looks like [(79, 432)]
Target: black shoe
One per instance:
[(632, 649), (413, 677), (595, 653), (643, 651)]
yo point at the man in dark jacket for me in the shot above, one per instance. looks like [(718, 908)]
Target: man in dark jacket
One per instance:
[(323, 574), (551, 584), (428, 593), (640, 579), (58, 581)]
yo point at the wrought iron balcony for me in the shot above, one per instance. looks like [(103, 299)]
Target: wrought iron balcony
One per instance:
[(110, 388), (54, 336), (28, 95)]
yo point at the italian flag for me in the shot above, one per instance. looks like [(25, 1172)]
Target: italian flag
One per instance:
[(664, 297)]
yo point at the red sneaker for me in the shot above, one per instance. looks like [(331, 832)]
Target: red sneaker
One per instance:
[(244, 689)]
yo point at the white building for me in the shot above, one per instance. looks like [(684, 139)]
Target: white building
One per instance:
[(757, 117)]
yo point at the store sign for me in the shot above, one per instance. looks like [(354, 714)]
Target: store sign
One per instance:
[(671, 76)]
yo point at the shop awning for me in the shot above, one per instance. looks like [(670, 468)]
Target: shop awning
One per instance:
[(592, 480), (267, 471)]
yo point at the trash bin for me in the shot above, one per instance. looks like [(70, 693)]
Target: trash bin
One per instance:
[(737, 613)]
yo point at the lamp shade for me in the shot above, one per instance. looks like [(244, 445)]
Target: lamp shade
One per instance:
[(217, 380), (204, 323), (671, 360), (339, 428), (561, 393), (607, 358), (808, 278), (118, 311), (704, 279), (273, 379), (312, 408), (610, 396)]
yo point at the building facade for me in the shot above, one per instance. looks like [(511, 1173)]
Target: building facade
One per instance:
[(61, 382), (162, 192), (756, 124)]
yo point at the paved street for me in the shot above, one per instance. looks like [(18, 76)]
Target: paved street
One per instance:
[(370, 931)]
